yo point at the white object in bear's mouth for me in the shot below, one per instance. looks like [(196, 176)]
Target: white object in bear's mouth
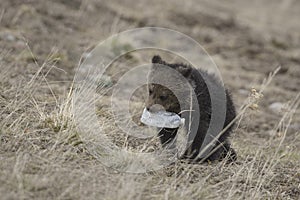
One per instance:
[(161, 119)]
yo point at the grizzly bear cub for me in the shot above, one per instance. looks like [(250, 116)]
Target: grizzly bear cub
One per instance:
[(166, 99)]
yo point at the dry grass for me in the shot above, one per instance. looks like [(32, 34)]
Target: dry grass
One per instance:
[(42, 154), (48, 160)]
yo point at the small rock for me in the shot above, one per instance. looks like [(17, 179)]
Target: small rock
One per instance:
[(9, 37), (277, 107), (243, 91)]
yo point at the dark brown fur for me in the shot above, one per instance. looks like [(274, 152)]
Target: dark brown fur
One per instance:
[(162, 98)]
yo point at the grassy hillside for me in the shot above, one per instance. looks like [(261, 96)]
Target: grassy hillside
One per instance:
[(41, 152)]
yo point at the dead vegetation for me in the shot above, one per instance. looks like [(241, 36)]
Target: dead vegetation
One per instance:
[(41, 153)]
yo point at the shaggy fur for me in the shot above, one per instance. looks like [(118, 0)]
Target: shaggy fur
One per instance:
[(160, 95)]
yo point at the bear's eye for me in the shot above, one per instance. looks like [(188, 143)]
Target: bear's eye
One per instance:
[(150, 91), (163, 97)]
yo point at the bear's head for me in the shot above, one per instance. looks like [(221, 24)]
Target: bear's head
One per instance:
[(160, 96)]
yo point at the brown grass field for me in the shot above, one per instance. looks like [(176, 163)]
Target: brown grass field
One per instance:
[(41, 44)]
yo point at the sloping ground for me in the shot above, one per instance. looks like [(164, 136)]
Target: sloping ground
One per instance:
[(41, 44)]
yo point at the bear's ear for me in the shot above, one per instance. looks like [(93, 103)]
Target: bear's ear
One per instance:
[(185, 70), (156, 59)]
